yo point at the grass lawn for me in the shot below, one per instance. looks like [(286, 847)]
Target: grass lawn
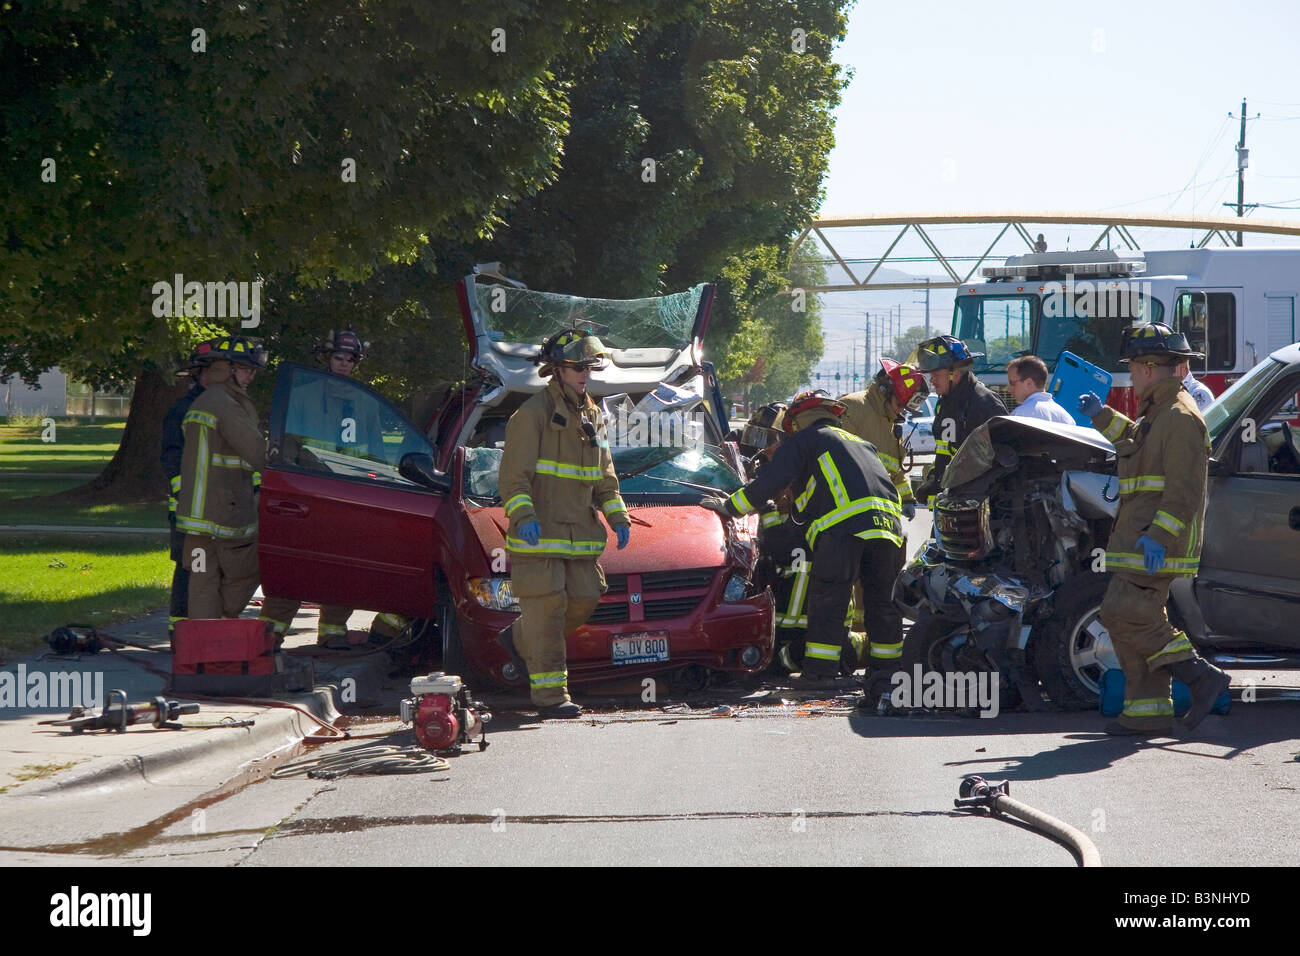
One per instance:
[(105, 578), (77, 448)]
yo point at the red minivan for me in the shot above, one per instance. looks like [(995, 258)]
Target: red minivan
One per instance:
[(362, 508)]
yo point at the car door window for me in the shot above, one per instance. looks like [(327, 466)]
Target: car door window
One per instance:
[(339, 427)]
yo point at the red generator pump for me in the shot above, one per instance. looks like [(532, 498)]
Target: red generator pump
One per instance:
[(445, 715)]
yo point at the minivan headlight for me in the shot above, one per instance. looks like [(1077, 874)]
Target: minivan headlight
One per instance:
[(494, 593)]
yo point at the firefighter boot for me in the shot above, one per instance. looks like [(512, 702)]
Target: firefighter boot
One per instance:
[(564, 711), (1205, 683), (506, 638)]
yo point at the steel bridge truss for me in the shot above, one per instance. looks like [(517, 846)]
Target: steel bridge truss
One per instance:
[(1119, 227)]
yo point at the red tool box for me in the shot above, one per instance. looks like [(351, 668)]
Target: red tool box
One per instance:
[(233, 657)]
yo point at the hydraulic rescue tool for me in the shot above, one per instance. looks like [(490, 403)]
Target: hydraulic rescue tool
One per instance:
[(445, 715), (117, 714)]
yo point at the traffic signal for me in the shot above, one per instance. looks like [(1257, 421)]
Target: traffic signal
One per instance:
[(837, 376)]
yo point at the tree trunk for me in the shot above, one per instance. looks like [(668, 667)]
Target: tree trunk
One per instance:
[(135, 474)]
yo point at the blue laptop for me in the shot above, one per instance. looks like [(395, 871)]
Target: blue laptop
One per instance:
[(1074, 377)]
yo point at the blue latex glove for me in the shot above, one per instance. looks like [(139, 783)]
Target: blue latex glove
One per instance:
[(909, 510), (623, 532), (1152, 552), (1089, 404), (531, 532)]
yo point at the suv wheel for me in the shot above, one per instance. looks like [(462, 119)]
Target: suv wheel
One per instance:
[(453, 655), (1073, 648)]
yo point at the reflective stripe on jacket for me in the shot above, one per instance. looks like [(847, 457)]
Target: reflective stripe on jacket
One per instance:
[(1163, 460), (552, 473), (843, 489), (869, 417), (223, 448)]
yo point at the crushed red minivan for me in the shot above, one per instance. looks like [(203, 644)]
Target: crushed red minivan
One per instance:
[(363, 508)]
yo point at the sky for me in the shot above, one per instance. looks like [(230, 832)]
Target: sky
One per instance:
[(1105, 106)]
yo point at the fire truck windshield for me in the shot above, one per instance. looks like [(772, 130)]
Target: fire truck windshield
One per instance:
[(1086, 321)]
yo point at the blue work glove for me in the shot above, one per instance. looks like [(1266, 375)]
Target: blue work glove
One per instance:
[(909, 510), (623, 532), (1089, 404), (1152, 552), (531, 532)]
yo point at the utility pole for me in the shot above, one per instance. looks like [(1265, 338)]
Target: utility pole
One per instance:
[(1243, 160), (866, 342), (927, 306)]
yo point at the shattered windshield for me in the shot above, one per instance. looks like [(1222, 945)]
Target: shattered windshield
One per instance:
[(1229, 406), (521, 315), (687, 473)]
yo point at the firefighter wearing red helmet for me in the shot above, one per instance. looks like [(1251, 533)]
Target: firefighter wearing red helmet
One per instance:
[(216, 504), (556, 478), (1163, 465), (876, 415), (852, 519)]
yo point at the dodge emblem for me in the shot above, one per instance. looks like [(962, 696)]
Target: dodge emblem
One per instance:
[(636, 597)]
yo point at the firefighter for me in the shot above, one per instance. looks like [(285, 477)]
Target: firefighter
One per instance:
[(1163, 461), (876, 416), (852, 519), (315, 412), (173, 444), (782, 563), (965, 403), (556, 476), (217, 506)]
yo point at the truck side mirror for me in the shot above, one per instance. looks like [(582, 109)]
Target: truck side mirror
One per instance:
[(418, 467)]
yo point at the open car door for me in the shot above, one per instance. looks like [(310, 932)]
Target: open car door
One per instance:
[(341, 520)]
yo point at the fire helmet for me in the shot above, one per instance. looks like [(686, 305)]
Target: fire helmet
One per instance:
[(763, 428), (942, 351), (575, 348), (204, 354), (240, 350), (807, 407), (1156, 341), (342, 340), (903, 382)]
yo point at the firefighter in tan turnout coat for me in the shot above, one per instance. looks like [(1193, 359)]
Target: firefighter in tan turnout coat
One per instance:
[(216, 507), (1163, 459), (557, 477)]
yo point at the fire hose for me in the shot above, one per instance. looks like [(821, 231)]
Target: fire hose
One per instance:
[(366, 760), (976, 792)]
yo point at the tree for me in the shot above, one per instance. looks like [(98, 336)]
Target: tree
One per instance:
[(301, 143), (907, 342)]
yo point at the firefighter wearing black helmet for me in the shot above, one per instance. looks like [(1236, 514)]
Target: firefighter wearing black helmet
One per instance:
[(852, 520), (172, 448), (965, 403), (1163, 462), (556, 478), (216, 504)]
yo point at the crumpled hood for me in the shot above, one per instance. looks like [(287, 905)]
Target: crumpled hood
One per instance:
[(669, 539), (1073, 447)]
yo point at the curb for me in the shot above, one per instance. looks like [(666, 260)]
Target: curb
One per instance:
[(271, 723)]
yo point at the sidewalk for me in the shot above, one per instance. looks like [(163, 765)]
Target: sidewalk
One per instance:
[(40, 760)]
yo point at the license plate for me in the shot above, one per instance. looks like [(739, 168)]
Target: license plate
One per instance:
[(641, 648)]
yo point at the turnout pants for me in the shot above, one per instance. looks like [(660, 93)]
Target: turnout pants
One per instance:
[(223, 575), (178, 605), (280, 612), (556, 596), (836, 563), (1133, 611)]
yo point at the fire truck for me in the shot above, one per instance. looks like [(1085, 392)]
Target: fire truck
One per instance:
[(1236, 305)]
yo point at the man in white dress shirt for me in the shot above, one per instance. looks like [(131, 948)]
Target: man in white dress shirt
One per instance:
[(1027, 382), (1200, 393)]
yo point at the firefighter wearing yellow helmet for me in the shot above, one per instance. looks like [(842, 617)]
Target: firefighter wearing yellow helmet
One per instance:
[(557, 475)]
